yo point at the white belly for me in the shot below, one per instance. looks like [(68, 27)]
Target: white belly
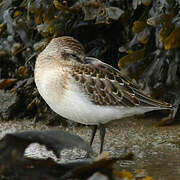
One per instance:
[(75, 105)]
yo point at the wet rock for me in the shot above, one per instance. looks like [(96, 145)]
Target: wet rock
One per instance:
[(99, 176), (8, 103)]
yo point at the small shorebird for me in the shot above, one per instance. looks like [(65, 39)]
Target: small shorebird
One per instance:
[(86, 90)]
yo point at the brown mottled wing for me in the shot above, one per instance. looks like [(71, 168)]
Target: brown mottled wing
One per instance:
[(105, 85)]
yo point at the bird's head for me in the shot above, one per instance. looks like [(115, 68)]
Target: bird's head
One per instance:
[(65, 48)]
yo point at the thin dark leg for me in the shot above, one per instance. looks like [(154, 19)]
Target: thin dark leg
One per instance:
[(94, 129), (102, 135)]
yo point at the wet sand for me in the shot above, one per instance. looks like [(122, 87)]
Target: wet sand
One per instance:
[(155, 153)]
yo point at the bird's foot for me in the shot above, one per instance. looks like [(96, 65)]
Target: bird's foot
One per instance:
[(164, 121), (168, 120)]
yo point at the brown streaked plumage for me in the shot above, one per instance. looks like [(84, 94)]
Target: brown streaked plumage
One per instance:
[(86, 90), (106, 86)]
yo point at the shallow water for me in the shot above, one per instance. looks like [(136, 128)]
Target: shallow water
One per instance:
[(155, 153)]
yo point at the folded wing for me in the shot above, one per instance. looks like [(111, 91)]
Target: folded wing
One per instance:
[(105, 85)]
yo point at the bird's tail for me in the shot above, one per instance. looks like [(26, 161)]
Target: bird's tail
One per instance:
[(147, 101)]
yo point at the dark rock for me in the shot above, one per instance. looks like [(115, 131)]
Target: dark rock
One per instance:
[(8, 104)]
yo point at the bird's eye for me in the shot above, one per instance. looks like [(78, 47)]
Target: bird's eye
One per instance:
[(74, 56)]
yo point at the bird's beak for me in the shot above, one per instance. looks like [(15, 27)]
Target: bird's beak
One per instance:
[(85, 60), (91, 60)]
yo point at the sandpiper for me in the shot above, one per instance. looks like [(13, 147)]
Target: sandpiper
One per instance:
[(86, 90)]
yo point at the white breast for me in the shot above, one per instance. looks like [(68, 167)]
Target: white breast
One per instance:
[(75, 105)]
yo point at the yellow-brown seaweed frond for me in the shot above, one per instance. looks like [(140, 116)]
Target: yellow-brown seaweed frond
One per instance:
[(130, 58), (173, 40), (138, 26)]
